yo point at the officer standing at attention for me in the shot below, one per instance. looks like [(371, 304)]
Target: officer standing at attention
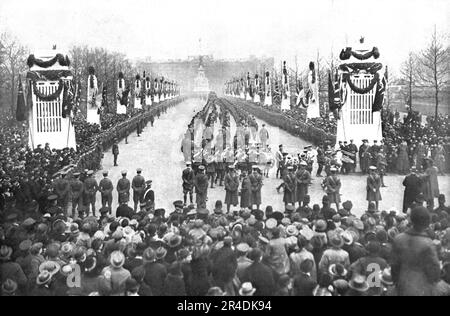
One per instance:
[(123, 188), (106, 188), (138, 185), (76, 190), (90, 188)]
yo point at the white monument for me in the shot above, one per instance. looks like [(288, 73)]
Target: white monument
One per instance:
[(362, 82), (51, 111), (92, 102)]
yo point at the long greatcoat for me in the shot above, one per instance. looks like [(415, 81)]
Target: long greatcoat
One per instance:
[(373, 183), (231, 187), (403, 159), (415, 265), (430, 185), (303, 179), (246, 193), (289, 188), (256, 183), (333, 187), (201, 189), (412, 184)]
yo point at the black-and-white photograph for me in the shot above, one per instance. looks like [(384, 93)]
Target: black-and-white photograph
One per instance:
[(231, 148)]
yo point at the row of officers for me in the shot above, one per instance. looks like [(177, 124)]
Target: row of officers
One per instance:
[(82, 191)]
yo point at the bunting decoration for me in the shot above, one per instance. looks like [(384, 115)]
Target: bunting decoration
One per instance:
[(21, 109)]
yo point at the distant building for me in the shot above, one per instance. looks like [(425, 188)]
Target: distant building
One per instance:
[(217, 72)]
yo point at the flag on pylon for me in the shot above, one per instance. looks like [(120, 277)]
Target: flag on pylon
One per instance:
[(21, 110)]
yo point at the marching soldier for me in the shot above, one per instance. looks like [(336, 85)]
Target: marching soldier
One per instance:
[(333, 187), (138, 185), (62, 188), (201, 187), (303, 180), (373, 186), (289, 187), (123, 189), (76, 191), (256, 185), (90, 188), (231, 188), (115, 151), (106, 187), (188, 182)]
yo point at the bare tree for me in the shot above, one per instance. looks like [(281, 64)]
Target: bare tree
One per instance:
[(434, 66), (12, 63), (408, 71)]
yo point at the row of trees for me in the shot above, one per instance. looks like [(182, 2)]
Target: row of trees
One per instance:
[(13, 56), (429, 69)]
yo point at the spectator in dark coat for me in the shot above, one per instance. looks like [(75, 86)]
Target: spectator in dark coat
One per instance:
[(174, 282), (414, 277), (224, 265), (155, 273), (303, 284), (413, 187), (259, 275)]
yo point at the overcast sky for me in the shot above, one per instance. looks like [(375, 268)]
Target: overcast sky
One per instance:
[(168, 29)]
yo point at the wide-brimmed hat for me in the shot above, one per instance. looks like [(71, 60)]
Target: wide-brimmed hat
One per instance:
[(161, 253), (386, 277), (320, 225), (271, 223), (149, 255), (117, 259), (243, 247), (43, 278), (9, 287), (292, 230), (347, 237), (247, 289), (175, 241), (337, 270), (359, 283), (50, 266), (336, 240), (5, 252)]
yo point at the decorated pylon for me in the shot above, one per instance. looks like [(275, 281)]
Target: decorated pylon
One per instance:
[(162, 90), (51, 101), (248, 88), (285, 90), (362, 81), (121, 98), (93, 104), (242, 89), (267, 90), (156, 91), (137, 92), (256, 97), (148, 92), (313, 93)]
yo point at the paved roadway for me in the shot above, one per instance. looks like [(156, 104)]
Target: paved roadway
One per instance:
[(158, 153)]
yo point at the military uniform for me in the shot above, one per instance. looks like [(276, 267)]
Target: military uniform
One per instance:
[(188, 184), (106, 187), (62, 189), (289, 188), (333, 187), (201, 189), (90, 188), (303, 179), (138, 185), (123, 189), (76, 189), (246, 193), (231, 188), (256, 185), (115, 151)]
